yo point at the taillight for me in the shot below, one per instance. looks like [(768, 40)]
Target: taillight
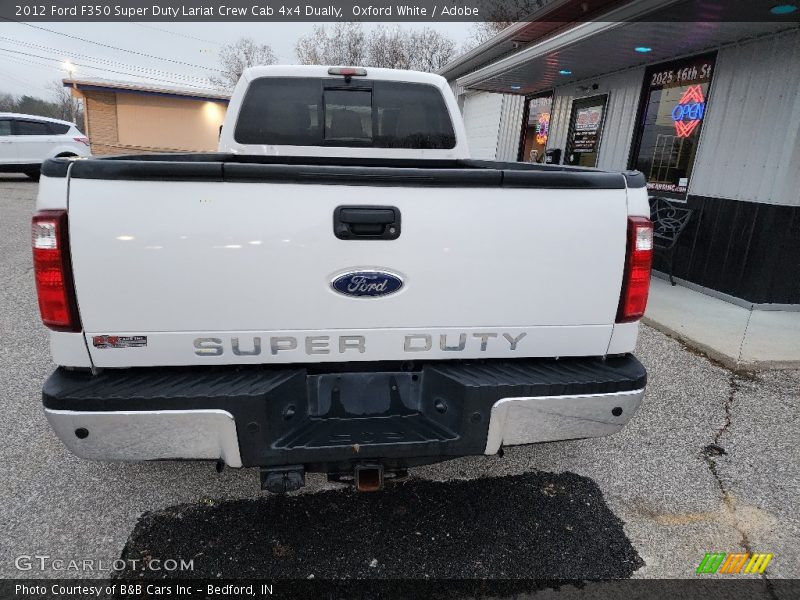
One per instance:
[(82, 140), (51, 267), (636, 279)]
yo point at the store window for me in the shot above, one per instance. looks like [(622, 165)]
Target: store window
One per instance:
[(585, 129), (671, 116), (536, 128)]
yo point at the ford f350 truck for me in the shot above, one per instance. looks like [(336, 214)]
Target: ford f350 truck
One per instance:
[(339, 289)]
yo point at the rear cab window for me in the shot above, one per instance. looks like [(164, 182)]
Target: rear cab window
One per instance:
[(5, 127), (296, 111)]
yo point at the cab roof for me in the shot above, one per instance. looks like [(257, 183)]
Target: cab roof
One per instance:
[(322, 71)]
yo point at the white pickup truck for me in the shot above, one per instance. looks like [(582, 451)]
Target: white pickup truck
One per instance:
[(339, 289)]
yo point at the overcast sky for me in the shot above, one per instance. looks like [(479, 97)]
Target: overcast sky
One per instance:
[(31, 59)]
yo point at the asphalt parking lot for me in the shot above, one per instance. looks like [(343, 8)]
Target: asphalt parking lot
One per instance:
[(711, 463)]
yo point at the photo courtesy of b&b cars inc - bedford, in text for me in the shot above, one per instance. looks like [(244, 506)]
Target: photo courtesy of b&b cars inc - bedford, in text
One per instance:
[(439, 299)]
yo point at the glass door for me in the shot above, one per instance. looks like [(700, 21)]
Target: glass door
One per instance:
[(535, 128), (585, 130)]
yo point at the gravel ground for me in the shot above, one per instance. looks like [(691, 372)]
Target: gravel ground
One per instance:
[(710, 463), (427, 529)]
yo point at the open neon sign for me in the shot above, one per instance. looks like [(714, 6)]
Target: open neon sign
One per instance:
[(689, 111)]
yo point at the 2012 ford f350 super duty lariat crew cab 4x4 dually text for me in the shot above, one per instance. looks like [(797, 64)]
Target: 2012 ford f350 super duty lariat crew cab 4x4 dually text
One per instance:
[(339, 289)]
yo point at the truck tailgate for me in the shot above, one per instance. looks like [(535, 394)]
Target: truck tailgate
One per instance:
[(487, 272)]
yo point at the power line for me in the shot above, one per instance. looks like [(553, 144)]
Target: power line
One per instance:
[(101, 68), (183, 35), (23, 81), (80, 39), (145, 74), (27, 62), (101, 60)]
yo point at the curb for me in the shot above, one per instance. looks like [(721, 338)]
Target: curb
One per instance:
[(726, 360)]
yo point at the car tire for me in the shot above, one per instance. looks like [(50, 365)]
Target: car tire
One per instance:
[(34, 175)]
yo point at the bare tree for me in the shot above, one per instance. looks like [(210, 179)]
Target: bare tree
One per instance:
[(501, 14), (342, 44), (67, 106), (7, 102), (388, 48), (394, 48), (484, 31), (430, 49), (420, 50), (235, 58), (59, 106)]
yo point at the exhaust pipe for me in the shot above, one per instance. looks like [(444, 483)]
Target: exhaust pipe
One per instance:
[(368, 478)]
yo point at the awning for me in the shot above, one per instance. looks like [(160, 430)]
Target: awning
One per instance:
[(641, 32)]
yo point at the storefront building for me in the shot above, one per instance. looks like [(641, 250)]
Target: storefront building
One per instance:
[(709, 112), (134, 118)]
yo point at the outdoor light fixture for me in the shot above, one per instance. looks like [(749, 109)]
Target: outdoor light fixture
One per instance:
[(68, 67), (516, 86), (643, 49), (783, 9), (565, 72)]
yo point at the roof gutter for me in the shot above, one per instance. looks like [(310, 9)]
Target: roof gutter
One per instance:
[(118, 87), (461, 60), (506, 35), (616, 18)]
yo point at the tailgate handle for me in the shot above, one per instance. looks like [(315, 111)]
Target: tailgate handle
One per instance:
[(366, 222)]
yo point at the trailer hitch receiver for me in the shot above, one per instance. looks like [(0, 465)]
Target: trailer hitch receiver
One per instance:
[(368, 478)]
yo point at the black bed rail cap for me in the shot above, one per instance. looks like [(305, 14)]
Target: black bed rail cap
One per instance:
[(134, 169), (56, 167), (634, 179), (555, 179), (373, 176)]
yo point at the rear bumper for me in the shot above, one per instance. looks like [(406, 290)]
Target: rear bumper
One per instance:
[(148, 434), (328, 420)]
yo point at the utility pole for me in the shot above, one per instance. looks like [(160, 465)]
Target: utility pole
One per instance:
[(70, 69)]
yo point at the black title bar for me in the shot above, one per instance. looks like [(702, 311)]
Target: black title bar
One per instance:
[(545, 11)]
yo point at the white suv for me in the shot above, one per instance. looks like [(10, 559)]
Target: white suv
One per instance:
[(26, 141)]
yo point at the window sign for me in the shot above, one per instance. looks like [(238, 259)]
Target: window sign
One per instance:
[(688, 113), (585, 128), (536, 128), (542, 126), (674, 105)]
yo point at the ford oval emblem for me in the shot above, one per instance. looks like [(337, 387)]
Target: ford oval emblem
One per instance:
[(370, 284)]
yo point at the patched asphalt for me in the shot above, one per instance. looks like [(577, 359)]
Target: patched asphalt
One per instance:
[(532, 526), (654, 479)]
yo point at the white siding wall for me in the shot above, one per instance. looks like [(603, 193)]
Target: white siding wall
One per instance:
[(482, 112), (623, 89), (458, 92), (750, 141), (510, 127)]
